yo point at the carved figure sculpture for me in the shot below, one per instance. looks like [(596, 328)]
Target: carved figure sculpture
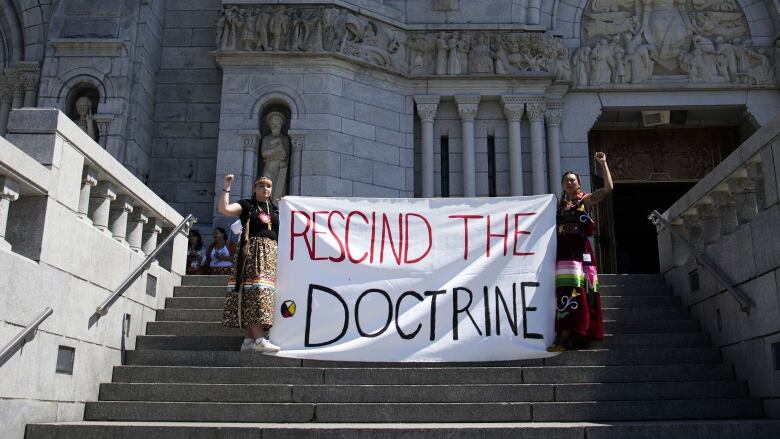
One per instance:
[(442, 48), (601, 64), (666, 26), (278, 28), (481, 58), (582, 61), (261, 31), (85, 120), (275, 151)]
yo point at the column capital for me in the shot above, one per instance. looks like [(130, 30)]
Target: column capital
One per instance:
[(139, 216), (468, 106), (427, 106), (514, 107), (103, 120), (535, 110), (297, 139), (9, 189), (553, 113), (122, 202), (249, 139), (89, 177), (153, 225), (105, 189)]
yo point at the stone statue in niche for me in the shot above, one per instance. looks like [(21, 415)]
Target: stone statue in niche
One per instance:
[(275, 151), (85, 119)]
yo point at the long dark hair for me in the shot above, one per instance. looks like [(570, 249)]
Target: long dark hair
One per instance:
[(196, 234), (222, 232)]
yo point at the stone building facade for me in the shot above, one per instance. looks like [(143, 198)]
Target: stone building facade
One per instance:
[(394, 98)]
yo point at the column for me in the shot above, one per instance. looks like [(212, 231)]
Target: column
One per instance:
[(100, 205), (534, 12), (724, 203), (88, 181), (744, 194), (30, 74), (135, 230), (5, 108), (426, 109), (120, 209), (710, 223), (9, 191), (103, 122), (755, 172), (535, 112), (151, 231), (297, 144), (468, 106), (249, 169), (552, 116), (513, 111)]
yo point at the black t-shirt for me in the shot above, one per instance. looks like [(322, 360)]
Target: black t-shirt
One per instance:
[(253, 209)]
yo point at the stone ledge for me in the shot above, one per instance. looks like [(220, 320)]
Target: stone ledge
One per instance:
[(91, 47), (33, 178)]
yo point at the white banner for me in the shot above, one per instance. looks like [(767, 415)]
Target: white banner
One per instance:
[(450, 279)]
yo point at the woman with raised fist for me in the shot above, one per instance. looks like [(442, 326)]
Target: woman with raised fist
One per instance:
[(251, 287)]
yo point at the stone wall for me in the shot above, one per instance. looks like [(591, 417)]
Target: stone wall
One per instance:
[(187, 109), (65, 203), (731, 216)]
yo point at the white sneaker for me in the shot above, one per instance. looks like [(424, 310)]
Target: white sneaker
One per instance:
[(247, 345), (262, 344)]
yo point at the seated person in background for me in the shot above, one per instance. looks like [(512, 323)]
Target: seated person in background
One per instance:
[(220, 253), (196, 253)]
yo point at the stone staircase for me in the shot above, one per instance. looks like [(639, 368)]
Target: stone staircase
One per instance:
[(654, 375)]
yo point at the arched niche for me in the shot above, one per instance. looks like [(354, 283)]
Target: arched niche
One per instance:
[(82, 104)]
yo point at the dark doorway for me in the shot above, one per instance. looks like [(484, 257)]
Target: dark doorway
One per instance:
[(636, 247)]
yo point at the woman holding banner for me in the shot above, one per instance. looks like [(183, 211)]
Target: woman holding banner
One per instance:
[(578, 317), (249, 303)]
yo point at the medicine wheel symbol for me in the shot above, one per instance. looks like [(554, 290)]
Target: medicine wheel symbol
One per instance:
[(288, 308)]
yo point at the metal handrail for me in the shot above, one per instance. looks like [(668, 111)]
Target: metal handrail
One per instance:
[(21, 338), (745, 302), (103, 308)]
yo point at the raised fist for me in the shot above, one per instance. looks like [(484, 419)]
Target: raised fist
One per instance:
[(229, 180), (600, 157)]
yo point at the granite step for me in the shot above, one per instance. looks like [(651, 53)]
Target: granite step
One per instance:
[(421, 375), (424, 412), (698, 429), (285, 393)]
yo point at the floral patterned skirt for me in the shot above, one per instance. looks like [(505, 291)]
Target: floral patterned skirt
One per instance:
[(221, 271), (258, 295), (578, 302)]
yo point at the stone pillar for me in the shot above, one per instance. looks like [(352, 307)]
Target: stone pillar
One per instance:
[(120, 209), (534, 12), (710, 223), (513, 111), (88, 181), (744, 194), (755, 173), (249, 169), (17, 94), (535, 111), (552, 117), (150, 233), (426, 110), (135, 230), (30, 75), (9, 191), (103, 122), (5, 108), (468, 105), (297, 145), (727, 213), (100, 205)]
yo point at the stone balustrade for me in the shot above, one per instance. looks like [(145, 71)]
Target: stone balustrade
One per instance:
[(74, 223), (732, 217)]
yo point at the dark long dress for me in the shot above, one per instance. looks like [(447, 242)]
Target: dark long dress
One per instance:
[(578, 302)]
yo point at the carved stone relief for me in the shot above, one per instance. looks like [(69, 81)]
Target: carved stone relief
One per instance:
[(636, 41), (336, 30)]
